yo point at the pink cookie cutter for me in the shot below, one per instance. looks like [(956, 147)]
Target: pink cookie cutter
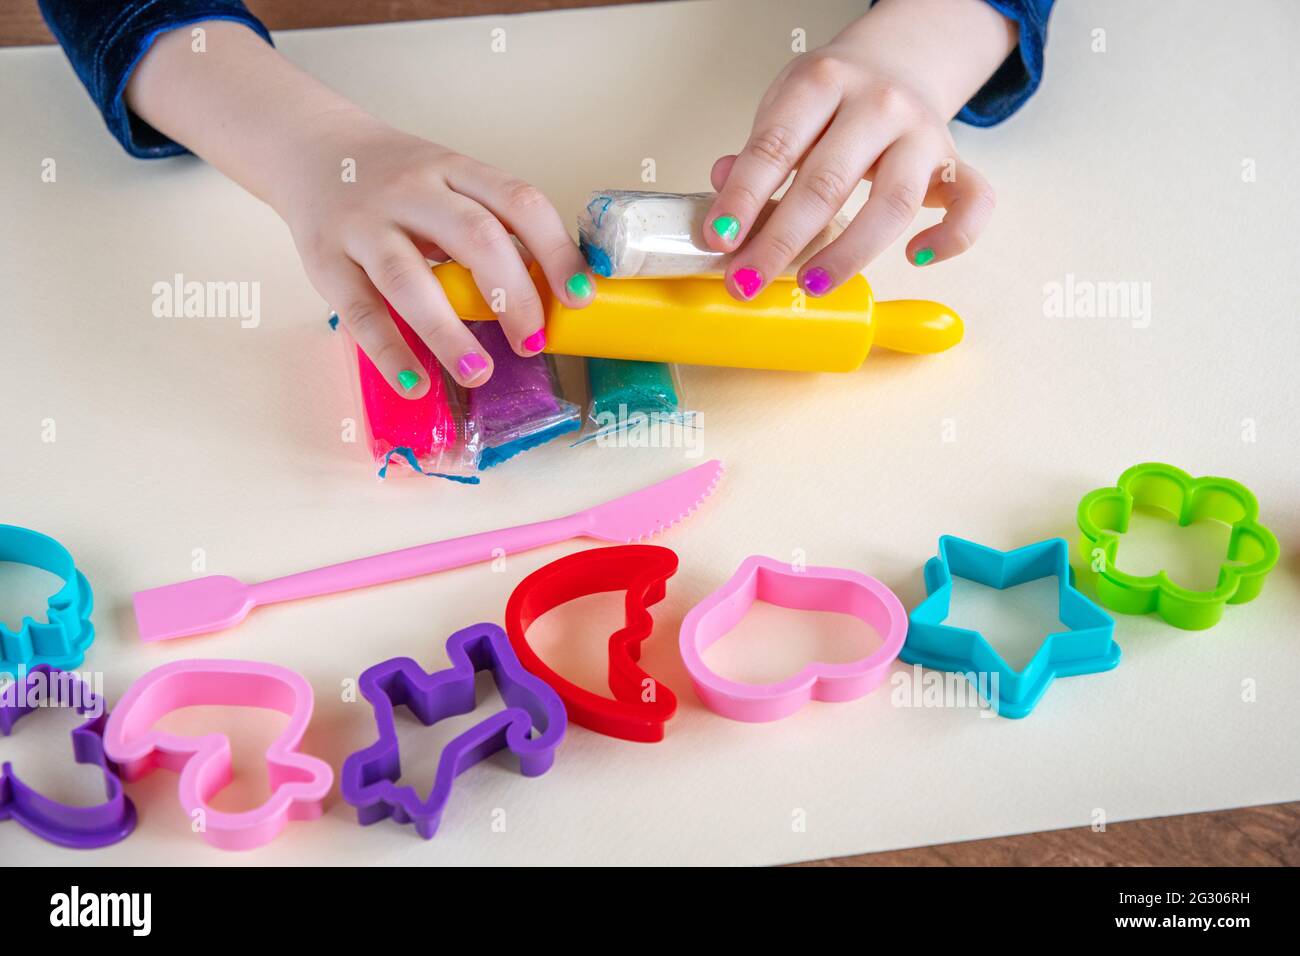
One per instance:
[(299, 782), (805, 589)]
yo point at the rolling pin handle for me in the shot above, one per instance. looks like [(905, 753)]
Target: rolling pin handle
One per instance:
[(916, 326)]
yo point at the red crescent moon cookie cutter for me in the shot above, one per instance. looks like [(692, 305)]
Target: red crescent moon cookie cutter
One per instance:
[(641, 705)]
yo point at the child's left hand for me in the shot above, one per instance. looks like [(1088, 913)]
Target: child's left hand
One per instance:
[(873, 104)]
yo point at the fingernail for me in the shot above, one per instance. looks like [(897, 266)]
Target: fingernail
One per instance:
[(408, 379), (579, 286), (471, 365), (816, 281), (728, 227), (748, 281), (923, 256), (536, 342)]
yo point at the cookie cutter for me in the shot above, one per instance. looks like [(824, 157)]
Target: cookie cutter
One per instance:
[(806, 589), (1086, 645), (641, 705), (78, 827), (1104, 516), (299, 782), (62, 639), (369, 777)]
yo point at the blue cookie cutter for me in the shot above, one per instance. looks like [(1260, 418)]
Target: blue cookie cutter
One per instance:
[(62, 640), (369, 778), (79, 827), (1086, 645)]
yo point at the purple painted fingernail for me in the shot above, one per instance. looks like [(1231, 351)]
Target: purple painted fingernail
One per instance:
[(816, 281)]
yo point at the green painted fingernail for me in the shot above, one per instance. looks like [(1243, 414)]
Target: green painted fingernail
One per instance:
[(408, 379), (923, 256), (728, 227), (579, 285)]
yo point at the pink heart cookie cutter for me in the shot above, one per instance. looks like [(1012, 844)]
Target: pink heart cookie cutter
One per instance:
[(299, 782), (803, 589)]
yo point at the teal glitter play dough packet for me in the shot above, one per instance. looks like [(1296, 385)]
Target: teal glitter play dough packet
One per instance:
[(626, 397)]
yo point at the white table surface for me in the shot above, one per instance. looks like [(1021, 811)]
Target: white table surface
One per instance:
[(174, 435)]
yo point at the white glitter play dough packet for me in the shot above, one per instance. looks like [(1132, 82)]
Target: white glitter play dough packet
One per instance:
[(626, 233)]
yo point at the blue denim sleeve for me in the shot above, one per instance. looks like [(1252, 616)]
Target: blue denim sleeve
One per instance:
[(1018, 77), (105, 39)]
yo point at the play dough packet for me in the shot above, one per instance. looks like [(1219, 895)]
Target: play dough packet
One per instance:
[(633, 402), (627, 233), (430, 435), (519, 407)]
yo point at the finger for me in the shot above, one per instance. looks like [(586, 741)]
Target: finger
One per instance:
[(721, 170), (783, 131), (901, 176), (402, 275), (970, 201), (527, 212), (430, 250), (478, 241), (825, 179), (363, 313)]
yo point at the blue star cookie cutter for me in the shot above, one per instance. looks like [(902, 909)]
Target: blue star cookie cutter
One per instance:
[(531, 726), (62, 639), (1086, 645)]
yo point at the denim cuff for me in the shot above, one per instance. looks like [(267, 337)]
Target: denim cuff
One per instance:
[(1019, 75), (105, 40)]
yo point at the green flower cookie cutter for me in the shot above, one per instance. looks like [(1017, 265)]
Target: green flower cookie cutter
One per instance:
[(1104, 517)]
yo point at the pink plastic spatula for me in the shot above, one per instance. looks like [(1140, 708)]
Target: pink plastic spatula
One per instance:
[(218, 601)]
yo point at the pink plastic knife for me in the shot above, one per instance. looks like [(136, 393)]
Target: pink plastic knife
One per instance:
[(218, 601)]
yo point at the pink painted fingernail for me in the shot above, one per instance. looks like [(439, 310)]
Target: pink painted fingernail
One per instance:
[(748, 281), (536, 342), (816, 281), (471, 366)]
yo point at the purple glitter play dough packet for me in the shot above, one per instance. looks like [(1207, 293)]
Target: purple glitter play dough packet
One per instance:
[(519, 407)]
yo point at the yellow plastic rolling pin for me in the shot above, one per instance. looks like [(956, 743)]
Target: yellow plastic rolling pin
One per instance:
[(695, 321)]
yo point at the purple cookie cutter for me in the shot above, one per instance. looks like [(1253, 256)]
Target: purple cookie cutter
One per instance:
[(82, 828), (369, 778)]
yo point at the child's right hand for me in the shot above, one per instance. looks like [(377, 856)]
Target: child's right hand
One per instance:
[(366, 238)]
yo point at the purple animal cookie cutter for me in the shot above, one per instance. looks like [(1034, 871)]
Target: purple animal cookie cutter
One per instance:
[(82, 828), (369, 778)]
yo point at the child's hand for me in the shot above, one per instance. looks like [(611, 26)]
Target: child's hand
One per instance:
[(365, 202), (411, 199), (873, 104)]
